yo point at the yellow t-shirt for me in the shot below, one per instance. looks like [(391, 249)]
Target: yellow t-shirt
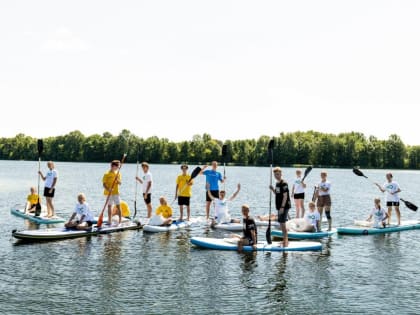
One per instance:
[(164, 210), (184, 190), (33, 199), (108, 179)]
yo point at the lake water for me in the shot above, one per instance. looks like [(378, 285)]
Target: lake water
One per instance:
[(138, 273)]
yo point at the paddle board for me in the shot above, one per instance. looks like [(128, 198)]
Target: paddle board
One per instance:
[(64, 233), (227, 244), (304, 235), (363, 230), (42, 219), (234, 227), (176, 225)]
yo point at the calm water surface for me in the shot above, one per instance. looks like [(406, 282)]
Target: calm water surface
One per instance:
[(138, 273)]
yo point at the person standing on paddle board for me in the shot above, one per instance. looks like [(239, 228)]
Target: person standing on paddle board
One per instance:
[(281, 192), (298, 194), (379, 215), (83, 214), (392, 189), (249, 237), (213, 177), (183, 191), (49, 187), (221, 211), (324, 199), (111, 182), (147, 183)]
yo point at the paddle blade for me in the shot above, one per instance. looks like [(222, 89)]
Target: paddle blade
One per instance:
[(409, 205), (271, 145), (224, 150), (40, 146), (268, 232), (358, 172), (100, 220), (307, 171), (195, 172)]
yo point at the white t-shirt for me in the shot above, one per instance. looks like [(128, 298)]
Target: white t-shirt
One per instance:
[(325, 185), (378, 216), (147, 178), (83, 209), (221, 212), (391, 187), (51, 174), (312, 217), (297, 186)]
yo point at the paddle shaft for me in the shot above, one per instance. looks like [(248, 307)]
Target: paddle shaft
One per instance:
[(268, 232), (135, 191)]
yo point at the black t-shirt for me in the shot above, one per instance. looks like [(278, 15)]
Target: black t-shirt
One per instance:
[(281, 188), (248, 226)]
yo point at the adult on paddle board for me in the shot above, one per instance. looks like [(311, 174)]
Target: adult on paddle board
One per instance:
[(183, 191), (50, 179), (298, 194), (213, 177), (249, 231), (82, 213), (111, 182), (324, 199), (392, 189), (281, 192), (147, 184)]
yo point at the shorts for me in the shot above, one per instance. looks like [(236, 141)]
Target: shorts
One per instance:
[(299, 196), (89, 223), (183, 201), (215, 194), (324, 201), (113, 200), (392, 203), (47, 192), (282, 218), (148, 199)]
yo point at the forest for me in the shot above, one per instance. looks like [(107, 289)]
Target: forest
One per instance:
[(290, 149)]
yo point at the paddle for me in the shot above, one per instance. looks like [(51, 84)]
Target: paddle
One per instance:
[(40, 149), (224, 151), (270, 152), (307, 171), (135, 191), (408, 204), (101, 215)]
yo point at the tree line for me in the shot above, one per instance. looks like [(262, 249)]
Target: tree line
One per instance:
[(296, 148)]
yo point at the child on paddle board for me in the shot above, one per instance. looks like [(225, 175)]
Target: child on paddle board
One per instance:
[(163, 215), (82, 214), (49, 187), (324, 199), (221, 211), (213, 177), (392, 189), (111, 183), (183, 191), (32, 200), (298, 194), (307, 224), (147, 183), (281, 192), (379, 215), (249, 237)]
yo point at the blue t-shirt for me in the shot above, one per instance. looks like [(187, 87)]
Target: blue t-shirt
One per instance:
[(213, 177)]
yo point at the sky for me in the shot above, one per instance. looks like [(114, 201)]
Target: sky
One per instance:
[(231, 69)]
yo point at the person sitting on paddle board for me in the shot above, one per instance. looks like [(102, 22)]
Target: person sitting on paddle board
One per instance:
[(307, 224), (183, 192), (249, 237), (125, 209), (212, 178), (221, 211), (82, 214), (111, 183), (32, 200), (392, 189), (147, 184), (283, 205), (379, 215), (49, 187), (163, 215)]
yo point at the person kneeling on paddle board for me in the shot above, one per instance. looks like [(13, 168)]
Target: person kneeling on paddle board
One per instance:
[(31, 200), (307, 224), (221, 210), (379, 214), (163, 215), (249, 237), (82, 214)]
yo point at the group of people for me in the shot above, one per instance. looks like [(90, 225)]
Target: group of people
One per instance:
[(310, 221)]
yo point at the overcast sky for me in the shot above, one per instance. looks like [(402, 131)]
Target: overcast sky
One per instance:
[(233, 69)]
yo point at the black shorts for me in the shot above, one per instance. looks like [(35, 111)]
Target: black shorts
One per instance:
[(183, 201), (282, 218), (47, 192), (392, 203), (148, 199), (299, 196), (215, 194)]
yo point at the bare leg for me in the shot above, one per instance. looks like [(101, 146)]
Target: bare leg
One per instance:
[(207, 209), (50, 207), (149, 210), (302, 207), (285, 236), (320, 210), (181, 212), (397, 211), (109, 214), (188, 213), (119, 213), (389, 214)]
